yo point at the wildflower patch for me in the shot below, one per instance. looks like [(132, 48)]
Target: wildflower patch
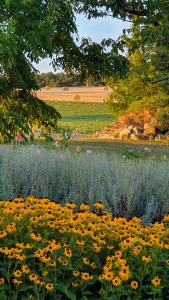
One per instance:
[(54, 251)]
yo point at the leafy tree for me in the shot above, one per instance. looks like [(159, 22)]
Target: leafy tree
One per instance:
[(31, 30), (142, 87)]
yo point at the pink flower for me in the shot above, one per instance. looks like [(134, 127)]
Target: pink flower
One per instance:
[(18, 138)]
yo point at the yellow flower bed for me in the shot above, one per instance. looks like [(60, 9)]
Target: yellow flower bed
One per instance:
[(54, 251)]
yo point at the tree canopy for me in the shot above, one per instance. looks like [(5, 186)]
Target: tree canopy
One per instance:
[(31, 30)]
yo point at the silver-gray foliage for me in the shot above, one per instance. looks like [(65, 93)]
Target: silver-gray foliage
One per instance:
[(128, 187)]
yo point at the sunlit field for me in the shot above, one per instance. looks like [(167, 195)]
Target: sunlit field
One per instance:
[(86, 118)]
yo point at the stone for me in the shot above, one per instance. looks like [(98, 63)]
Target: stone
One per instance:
[(147, 125), (125, 133), (134, 137), (138, 131), (159, 137), (167, 136), (149, 131)]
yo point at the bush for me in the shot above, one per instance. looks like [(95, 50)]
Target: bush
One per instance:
[(127, 187), (163, 118), (52, 252)]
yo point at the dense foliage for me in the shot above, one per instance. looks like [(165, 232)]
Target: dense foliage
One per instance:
[(31, 30), (58, 80), (63, 80), (68, 252), (142, 87)]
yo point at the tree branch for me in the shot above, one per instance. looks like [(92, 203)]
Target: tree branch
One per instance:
[(160, 79)]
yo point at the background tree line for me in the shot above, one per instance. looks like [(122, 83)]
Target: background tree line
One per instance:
[(62, 80)]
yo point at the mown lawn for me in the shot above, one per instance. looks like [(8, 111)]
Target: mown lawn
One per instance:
[(86, 118)]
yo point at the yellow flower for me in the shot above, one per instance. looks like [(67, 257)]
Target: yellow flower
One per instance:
[(116, 281), (33, 277), (20, 256), (70, 205), (124, 273), (137, 250), (45, 273), (17, 273), (67, 252), (156, 281), (39, 281), (107, 276), (86, 276), (118, 254), (16, 281), (86, 261), (75, 283), (25, 269), (166, 218), (110, 247), (80, 243), (36, 236), (2, 280), (76, 273), (49, 286), (99, 205), (146, 258), (84, 207), (93, 265), (134, 284), (53, 264), (2, 234)]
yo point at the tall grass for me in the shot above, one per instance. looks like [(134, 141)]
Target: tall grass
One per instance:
[(128, 187)]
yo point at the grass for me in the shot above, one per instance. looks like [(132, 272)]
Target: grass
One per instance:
[(127, 187), (86, 118)]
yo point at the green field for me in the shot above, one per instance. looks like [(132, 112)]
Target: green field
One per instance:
[(86, 118)]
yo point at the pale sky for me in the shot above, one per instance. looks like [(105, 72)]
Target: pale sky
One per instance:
[(96, 29)]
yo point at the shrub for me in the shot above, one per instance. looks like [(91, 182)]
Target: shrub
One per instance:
[(50, 251), (163, 118), (126, 186)]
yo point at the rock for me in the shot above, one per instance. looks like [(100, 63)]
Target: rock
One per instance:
[(167, 136), (159, 137), (134, 137), (106, 136), (125, 133), (56, 137), (147, 125), (138, 131), (149, 130)]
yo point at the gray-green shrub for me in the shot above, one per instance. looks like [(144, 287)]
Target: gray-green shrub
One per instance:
[(128, 187)]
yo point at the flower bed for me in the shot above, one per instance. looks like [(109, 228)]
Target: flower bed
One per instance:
[(51, 251)]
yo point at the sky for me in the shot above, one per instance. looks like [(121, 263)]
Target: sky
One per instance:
[(96, 29)]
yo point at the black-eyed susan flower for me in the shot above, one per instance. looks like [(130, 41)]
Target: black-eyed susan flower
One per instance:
[(99, 205), (25, 269), (76, 273), (2, 280), (86, 276), (17, 273), (86, 261), (156, 281), (17, 282), (146, 258), (33, 277), (134, 284), (49, 287), (116, 281)]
